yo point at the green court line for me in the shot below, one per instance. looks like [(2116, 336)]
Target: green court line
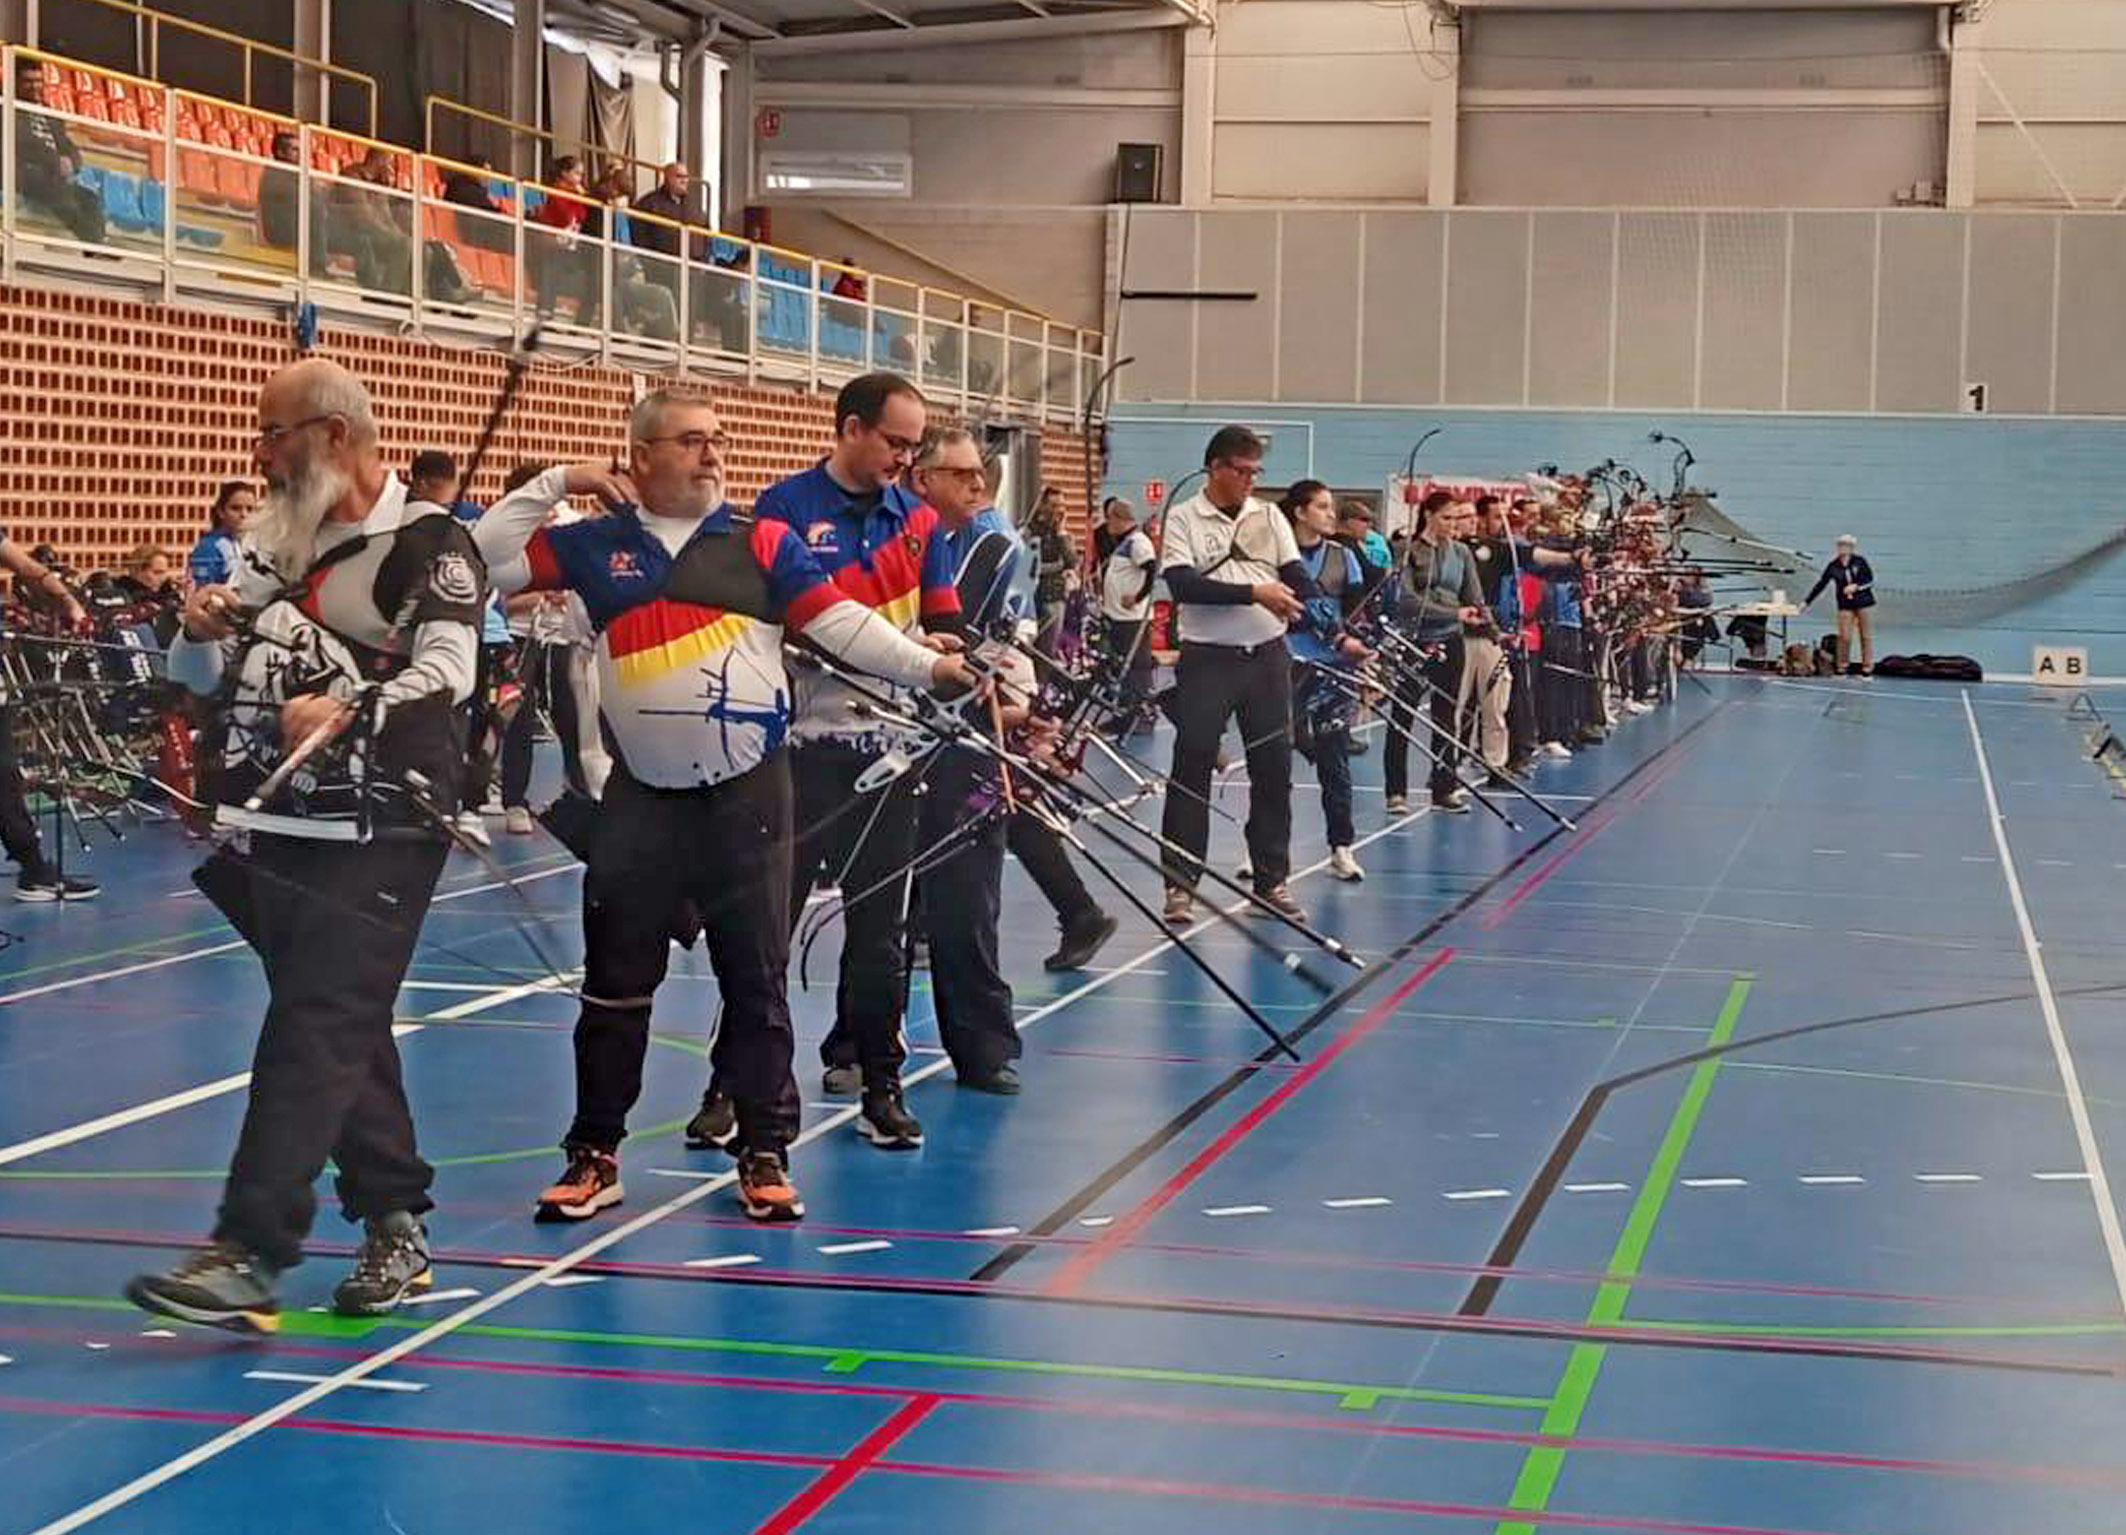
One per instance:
[(1999, 1330), (840, 1359), (141, 946), (1543, 1464)]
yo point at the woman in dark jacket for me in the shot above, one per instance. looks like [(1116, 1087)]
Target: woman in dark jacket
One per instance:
[(1855, 584)]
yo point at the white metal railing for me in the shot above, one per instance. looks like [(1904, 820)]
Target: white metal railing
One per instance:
[(186, 197)]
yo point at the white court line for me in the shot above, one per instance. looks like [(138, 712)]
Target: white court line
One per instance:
[(843, 1249), (2107, 1213), (565, 1281), (1362, 1202), (89, 1128), (1459, 1194), (727, 1261), (1716, 1183), (436, 1297), (1097, 1221), (240, 1433), (1947, 1178), (300, 1378), (1223, 1210), (1816, 1180), (1597, 1188), (2061, 1177), (992, 1231)]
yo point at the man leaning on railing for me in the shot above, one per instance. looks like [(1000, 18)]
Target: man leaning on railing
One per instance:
[(50, 162)]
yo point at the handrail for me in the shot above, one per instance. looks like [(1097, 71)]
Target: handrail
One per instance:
[(247, 45), (496, 119), (771, 314)]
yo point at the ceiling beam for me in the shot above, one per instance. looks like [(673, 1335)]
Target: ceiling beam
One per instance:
[(961, 33), (748, 27), (893, 16)]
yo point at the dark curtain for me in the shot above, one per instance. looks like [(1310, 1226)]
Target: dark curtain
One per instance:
[(416, 49)]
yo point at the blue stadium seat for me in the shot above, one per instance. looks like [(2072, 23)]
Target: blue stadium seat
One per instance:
[(122, 203), (154, 203)]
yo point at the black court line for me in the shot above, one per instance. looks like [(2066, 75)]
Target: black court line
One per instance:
[(1422, 1322), (1078, 1203)]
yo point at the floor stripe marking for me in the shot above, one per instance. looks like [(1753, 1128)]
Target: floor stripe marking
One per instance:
[(992, 1231), (435, 1297), (298, 1378), (1224, 1210), (1598, 1188), (1947, 1178), (1827, 1179), (1716, 1183), (1360, 1202), (842, 1249), (1479, 1193), (1541, 1467), (1828, 852), (89, 1129), (1097, 1221), (2107, 1210), (1904, 855), (564, 1281), (683, 1172), (2061, 1177), (841, 1473), (727, 1261)]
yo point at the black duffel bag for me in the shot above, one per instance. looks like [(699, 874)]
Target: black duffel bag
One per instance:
[(1928, 668)]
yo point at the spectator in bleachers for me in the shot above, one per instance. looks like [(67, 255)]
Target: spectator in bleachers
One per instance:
[(49, 162), (848, 283), (561, 267), (646, 308), (278, 208), (213, 559), (367, 224), (718, 303), (464, 188)]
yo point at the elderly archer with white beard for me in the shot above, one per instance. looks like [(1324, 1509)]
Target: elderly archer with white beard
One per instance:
[(340, 657)]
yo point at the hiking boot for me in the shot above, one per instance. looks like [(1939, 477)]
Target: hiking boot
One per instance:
[(1396, 804), (591, 1183), (715, 1125), (1081, 941), (885, 1121), (1179, 901), (391, 1264), (842, 1081), (1279, 900), (223, 1284), (765, 1190), (50, 887)]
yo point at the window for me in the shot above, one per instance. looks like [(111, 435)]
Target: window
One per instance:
[(835, 173)]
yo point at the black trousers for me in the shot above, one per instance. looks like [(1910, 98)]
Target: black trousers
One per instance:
[(544, 672), (480, 751), (1321, 733), (1213, 684), (1560, 698), (1521, 732), (871, 840), (1405, 698), (325, 1079), (73, 204), (727, 850), (961, 896), (18, 832), (1046, 860), (1134, 686)]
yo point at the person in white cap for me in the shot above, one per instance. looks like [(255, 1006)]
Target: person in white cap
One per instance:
[(1854, 584)]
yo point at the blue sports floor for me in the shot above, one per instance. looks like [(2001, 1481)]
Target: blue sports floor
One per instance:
[(1714, 1168)]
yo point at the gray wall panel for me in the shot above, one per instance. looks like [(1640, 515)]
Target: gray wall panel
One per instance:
[(1487, 295), (2092, 319), (1745, 307), (1657, 309), (1568, 360), (1920, 336), (1234, 341), (1828, 357), (1158, 333), (1402, 309), (1318, 319), (2009, 346)]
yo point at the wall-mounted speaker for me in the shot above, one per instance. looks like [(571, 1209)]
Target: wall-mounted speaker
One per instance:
[(1137, 168)]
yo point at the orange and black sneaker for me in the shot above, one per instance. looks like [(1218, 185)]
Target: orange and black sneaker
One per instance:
[(591, 1183), (765, 1189)]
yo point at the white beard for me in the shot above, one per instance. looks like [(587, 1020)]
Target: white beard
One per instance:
[(286, 531)]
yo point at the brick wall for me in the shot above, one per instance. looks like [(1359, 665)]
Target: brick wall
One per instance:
[(118, 419)]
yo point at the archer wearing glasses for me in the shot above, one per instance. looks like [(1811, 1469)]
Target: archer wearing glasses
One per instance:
[(880, 545)]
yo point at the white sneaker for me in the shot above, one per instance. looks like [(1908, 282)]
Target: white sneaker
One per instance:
[(473, 829), (493, 806), (1344, 866), (1556, 749), (519, 821), (1640, 706)]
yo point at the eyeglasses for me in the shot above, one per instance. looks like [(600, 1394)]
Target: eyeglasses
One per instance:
[(270, 436), (903, 447), (973, 476), (1244, 471), (694, 442)]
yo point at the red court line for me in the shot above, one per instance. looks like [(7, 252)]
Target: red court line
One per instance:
[(1344, 1424), (1589, 830), (1074, 1273), (846, 1470)]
